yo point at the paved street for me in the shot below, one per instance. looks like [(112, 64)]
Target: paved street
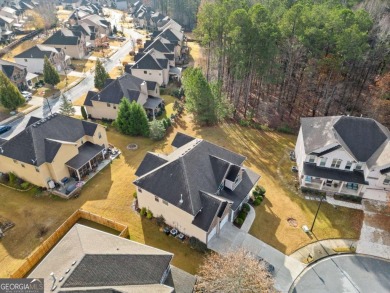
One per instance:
[(345, 273), (286, 268)]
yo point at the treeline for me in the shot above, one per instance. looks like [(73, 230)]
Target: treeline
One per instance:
[(182, 11), (279, 60)]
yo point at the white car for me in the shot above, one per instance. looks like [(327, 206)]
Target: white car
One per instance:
[(27, 95)]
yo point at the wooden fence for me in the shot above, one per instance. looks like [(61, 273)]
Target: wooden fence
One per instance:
[(38, 254)]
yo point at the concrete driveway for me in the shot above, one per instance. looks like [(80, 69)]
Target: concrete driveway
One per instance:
[(232, 238)]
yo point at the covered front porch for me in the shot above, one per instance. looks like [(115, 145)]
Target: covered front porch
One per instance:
[(331, 185), (89, 157)]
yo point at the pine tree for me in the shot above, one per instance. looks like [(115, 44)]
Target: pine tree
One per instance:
[(66, 107), (10, 97), (100, 75), (50, 74), (132, 119), (157, 130), (84, 113)]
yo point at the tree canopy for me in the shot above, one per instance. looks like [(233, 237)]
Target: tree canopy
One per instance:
[(66, 107), (132, 119), (101, 75), (10, 97), (50, 74), (156, 130)]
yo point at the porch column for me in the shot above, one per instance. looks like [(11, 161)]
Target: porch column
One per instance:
[(341, 186), (322, 184), (154, 115), (78, 174), (360, 188), (90, 166)]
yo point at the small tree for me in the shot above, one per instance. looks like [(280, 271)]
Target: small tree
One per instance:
[(50, 74), (84, 113), (100, 75), (10, 97), (132, 119), (248, 274), (66, 107), (157, 130)]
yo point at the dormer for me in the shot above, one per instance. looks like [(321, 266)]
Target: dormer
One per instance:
[(233, 177)]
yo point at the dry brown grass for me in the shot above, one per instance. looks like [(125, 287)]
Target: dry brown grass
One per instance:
[(116, 72), (196, 57), (83, 65), (80, 101), (63, 15), (21, 48)]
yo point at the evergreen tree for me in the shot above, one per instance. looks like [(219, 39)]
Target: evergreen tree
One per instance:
[(10, 97), (100, 75), (66, 107), (157, 130), (50, 74), (132, 119), (84, 113)]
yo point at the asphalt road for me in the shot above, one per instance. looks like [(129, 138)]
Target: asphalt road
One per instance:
[(345, 273), (81, 89)]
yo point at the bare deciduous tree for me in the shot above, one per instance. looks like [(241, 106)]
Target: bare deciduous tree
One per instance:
[(237, 271)]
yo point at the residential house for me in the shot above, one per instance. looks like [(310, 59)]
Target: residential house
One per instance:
[(163, 46), (150, 66), (344, 157), (122, 5), (90, 260), (93, 38), (72, 42), (71, 3), (6, 26), (10, 13), (168, 22), (135, 6), (102, 25), (105, 104), (15, 72), (26, 5), (52, 148), (197, 188), (33, 58), (155, 18)]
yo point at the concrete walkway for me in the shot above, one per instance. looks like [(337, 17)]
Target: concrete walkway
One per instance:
[(232, 238), (249, 220)]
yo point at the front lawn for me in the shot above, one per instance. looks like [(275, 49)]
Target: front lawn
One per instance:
[(83, 65)]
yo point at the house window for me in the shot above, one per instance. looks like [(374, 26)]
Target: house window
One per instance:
[(22, 165), (387, 180), (323, 161), (359, 166), (15, 161), (348, 165), (336, 163), (139, 190), (108, 105), (156, 198), (99, 135), (312, 159), (165, 202), (37, 169), (145, 72)]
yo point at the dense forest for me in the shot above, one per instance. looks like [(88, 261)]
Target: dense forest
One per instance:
[(279, 60)]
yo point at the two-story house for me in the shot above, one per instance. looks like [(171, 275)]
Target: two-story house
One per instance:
[(150, 66), (92, 37), (15, 72), (73, 43), (102, 26), (105, 104), (197, 188), (52, 148), (344, 155), (33, 58), (6, 26)]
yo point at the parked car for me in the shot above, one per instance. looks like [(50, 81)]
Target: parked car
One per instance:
[(121, 39), (4, 128), (27, 95)]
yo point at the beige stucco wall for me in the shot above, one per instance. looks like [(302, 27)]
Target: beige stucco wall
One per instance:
[(173, 216), (95, 138), (58, 168), (74, 51), (150, 75), (100, 110)]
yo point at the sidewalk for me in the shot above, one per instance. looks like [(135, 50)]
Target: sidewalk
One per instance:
[(249, 220)]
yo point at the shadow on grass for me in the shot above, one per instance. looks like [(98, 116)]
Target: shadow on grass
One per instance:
[(36, 218), (184, 258)]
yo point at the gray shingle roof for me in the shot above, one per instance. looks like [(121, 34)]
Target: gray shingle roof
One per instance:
[(181, 139), (37, 142), (147, 61), (151, 85), (362, 136), (149, 163), (62, 37), (86, 153), (38, 51), (152, 102), (335, 174), (159, 46), (88, 98), (199, 169), (210, 208), (182, 281), (116, 270)]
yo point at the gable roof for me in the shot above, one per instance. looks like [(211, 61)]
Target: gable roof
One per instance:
[(63, 37), (181, 139), (8, 9), (9, 67), (127, 86), (149, 163), (210, 208), (195, 168), (38, 51), (113, 264), (151, 85), (159, 46), (147, 61), (38, 142)]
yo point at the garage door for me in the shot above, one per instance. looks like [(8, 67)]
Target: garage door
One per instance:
[(212, 233), (224, 221)]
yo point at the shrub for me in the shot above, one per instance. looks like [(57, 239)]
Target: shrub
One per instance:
[(176, 93), (149, 214), (245, 123), (12, 178), (19, 181), (135, 194), (4, 178), (25, 185), (242, 215), (285, 129), (160, 220), (198, 245), (143, 211), (168, 122), (246, 208), (260, 190), (257, 201), (239, 221)]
